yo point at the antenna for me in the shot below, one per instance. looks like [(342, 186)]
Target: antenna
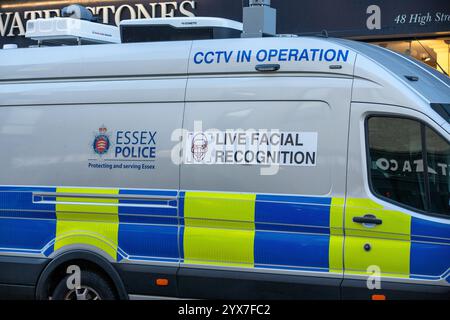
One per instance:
[(260, 20)]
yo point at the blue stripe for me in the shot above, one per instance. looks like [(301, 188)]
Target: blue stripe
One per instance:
[(121, 254), (291, 249), (181, 243), (430, 248), (26, 234), (171, 212), (22, 200), (143, 202), (27, 189), (427, 228), (294, 199), (291, 228), (430, 239), (296, 232), (20, 251), (181, 204), (429, 259), (28, 214), (413, 276), (447, 274), (140, 204), (38, 198), (148, 220), (149, 241), (49, 250), (293, 210)]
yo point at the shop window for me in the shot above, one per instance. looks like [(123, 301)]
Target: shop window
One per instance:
[(434, 52), (398, 149)]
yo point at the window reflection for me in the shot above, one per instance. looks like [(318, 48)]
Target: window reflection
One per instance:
[(409, 164), (434, 52)]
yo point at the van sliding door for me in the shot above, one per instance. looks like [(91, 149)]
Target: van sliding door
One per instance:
[(262, 185)]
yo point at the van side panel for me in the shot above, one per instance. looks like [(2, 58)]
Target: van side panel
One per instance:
[(242, 217), (81, 92), (54, 145), (95, 176), (107, 60)]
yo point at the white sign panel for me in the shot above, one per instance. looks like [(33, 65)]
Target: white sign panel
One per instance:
[(252, 147)]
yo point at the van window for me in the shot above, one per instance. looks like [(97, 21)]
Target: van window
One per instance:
[(396, 164), (443, 110), (397, 150), (438, 155)]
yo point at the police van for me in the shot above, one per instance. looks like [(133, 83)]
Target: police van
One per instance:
[(175, 159)]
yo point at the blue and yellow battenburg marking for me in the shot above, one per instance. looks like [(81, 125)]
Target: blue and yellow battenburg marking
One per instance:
[(262, 231), (221, 229), (403, 246), (144, 228)]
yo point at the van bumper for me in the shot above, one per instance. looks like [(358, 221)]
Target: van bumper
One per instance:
[(19, 275)]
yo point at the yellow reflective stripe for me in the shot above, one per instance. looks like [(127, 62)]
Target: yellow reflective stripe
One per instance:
[(392, 257), (220, 228), (81, 221), (336, 247), (213, 207), (219, 247), (337, 216), (87, 204), (396, 224), (390, 242)]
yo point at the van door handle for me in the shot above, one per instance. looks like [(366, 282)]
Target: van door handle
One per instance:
[(267, 67), (368, 219)]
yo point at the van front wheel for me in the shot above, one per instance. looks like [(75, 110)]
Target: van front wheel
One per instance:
[(91, 287)]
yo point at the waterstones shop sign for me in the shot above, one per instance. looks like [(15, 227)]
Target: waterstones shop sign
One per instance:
[(359, 19), (13, 17)]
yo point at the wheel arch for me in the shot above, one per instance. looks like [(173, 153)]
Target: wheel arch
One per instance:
[(86, 258)]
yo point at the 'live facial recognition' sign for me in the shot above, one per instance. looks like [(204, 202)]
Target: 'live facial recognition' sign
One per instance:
[(252, 147)]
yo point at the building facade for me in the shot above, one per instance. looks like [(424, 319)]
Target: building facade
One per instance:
[(414, 27)]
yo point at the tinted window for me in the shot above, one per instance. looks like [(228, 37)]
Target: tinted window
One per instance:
[(168, 33), (396, 164), (397, 149), (438, 156), (443, 110), (163, 33)]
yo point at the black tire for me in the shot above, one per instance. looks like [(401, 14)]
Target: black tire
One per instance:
[(92, 285)]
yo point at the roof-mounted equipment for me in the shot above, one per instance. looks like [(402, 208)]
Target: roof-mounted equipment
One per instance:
[(179, 28), (76, 27), (260, 20)]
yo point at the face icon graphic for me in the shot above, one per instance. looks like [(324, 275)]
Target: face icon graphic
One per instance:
[(199, 146)]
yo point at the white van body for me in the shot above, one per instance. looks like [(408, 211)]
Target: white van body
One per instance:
[(116, 157)]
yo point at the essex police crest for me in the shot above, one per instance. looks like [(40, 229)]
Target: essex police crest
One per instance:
[(101, 142)]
